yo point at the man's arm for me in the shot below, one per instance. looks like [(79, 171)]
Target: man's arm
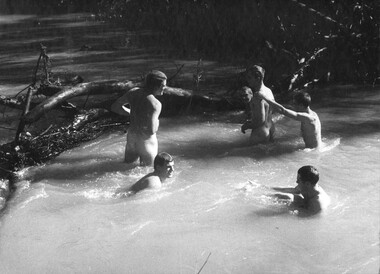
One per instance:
[(299, 116), (118, 106), (246, 125), (264, 109), (290, 190)]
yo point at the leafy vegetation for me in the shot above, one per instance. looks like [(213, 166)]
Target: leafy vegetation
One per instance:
[(298, 43)]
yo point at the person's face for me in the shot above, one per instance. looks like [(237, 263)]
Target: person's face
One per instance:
[(160, 90), (253, 78), (303, 186), (246, 96), (167, 169)]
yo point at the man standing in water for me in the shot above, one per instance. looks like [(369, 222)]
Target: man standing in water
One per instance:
[(163, 169), (144, 112), (261, 114), (310, 123), (307, 194)]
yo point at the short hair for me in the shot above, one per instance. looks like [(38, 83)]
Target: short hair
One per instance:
[(309, 174), (154, 79), (161, 159), (302, 98), (256, 69)]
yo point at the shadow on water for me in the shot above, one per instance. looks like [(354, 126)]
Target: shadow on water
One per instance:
[(84, 168), (79, 169), (353, 129), (76, 43)]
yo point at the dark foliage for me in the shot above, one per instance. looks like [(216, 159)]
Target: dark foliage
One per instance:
[(281, 35)]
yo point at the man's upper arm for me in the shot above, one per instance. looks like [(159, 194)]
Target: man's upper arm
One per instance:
[(302, 117), (117, 106), (264, 110)]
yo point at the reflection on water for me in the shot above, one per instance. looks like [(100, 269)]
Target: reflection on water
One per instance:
[(65, 217)]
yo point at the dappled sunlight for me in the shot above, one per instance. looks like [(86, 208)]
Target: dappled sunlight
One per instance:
[(6, 19)]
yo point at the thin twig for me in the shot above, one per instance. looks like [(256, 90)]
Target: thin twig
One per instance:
[(175, 74), (5, 170), (111, 125), (22, 90), (204, 263), (43, 133)]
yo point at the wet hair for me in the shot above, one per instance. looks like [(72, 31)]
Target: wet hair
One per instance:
[(161, 159), (154, 79), (256, 69), (302, 98), (309, 174)]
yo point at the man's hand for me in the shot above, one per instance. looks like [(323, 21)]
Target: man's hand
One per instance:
[(245, 126)]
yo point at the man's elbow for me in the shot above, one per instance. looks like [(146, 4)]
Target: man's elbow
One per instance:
[(119, 110)]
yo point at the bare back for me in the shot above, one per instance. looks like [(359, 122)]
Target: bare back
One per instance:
[(262, 124), (149, 181), (311, 130), (145, 110), (141, 138)]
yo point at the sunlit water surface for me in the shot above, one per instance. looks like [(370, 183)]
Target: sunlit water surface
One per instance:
[(64, 217)]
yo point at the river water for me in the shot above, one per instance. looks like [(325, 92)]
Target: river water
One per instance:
[(215, 212)]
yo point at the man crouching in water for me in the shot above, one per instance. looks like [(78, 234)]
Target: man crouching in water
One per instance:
[(144, 112), (163, 169), (261, 114), (308, 195)]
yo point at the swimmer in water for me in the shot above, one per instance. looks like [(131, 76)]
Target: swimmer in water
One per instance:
[(144, 112), (307, 195), (310, 123), (163, 169), (261, 113)]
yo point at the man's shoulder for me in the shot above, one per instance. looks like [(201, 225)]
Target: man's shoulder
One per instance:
[(267, 92), (154, 102), (312, 117), (148, 181), (153, 181), (315, 115), (321, 201)]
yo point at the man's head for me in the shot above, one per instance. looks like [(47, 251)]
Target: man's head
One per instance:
[(302, 100), (164, 165), (245, 94), (155, 82), (307, 175), (254, 75)]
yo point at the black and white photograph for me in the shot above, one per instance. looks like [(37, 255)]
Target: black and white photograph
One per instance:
[(189, 136)]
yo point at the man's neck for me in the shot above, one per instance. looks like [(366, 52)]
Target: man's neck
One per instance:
[(161, 176), (257, 87)]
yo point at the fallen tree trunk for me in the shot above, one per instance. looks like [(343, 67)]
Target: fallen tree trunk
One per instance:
[(92, 88), (174, 100)]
